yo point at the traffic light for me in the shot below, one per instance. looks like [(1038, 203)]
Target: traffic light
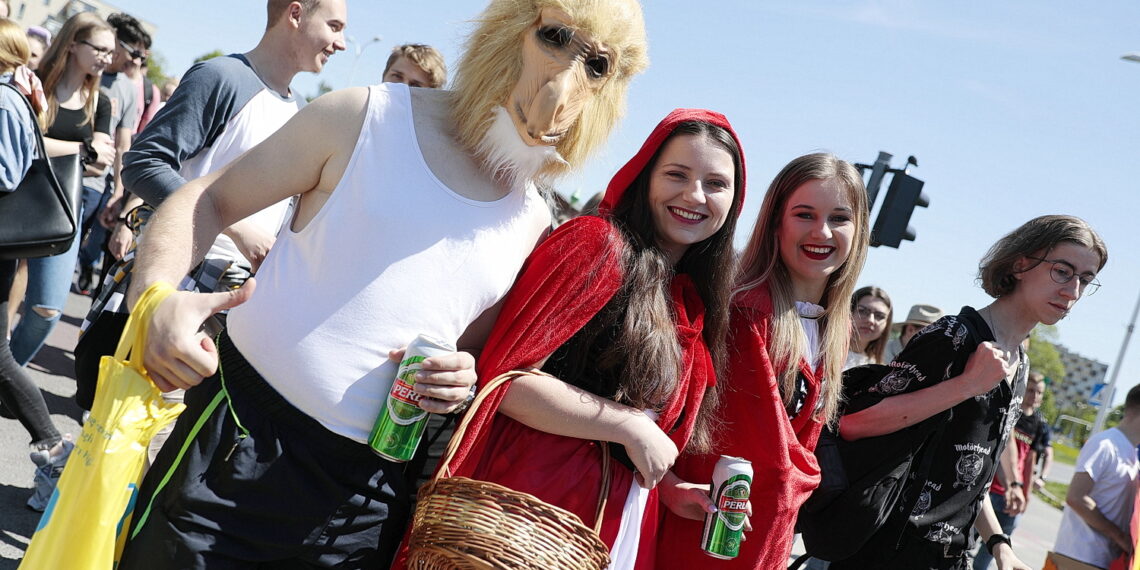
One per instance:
[(892, 225)]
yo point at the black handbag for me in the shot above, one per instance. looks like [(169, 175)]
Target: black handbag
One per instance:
[(38, 218)]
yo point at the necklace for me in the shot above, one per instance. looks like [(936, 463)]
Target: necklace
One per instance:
[(1006, 352)]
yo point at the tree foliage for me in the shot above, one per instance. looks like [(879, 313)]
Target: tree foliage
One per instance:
[(155, 68), (1043, 355), (209, 55)]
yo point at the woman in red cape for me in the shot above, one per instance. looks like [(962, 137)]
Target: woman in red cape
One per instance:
[(789, 328), (627, 310)]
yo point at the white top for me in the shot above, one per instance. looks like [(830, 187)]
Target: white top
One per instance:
[(1110, 460), (393, 253), (809, 319), (262, 115), (856, 359)]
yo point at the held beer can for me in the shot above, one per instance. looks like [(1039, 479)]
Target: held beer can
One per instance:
[(731, 485), (401, 423)]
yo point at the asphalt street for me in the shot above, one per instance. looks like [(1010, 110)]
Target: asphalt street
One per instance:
[(53, 370)]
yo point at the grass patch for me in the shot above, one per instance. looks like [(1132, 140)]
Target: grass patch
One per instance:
[(1054, 493), (1065, 454)]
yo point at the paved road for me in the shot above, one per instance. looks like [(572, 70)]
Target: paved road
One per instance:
[(52, 370)]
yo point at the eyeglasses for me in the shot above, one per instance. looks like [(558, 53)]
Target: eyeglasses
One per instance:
[(134, 53), (1062, 272), (99, 51), (868, 313)]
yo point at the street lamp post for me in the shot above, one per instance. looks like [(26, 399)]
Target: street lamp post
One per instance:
[(1102, 414), (358, 50)]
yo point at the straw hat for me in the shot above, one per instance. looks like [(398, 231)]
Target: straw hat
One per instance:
[(920, 315)]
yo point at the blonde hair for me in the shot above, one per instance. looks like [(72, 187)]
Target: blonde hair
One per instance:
[(491, 66), (78, 28), (761, 264), (424, 57), (14, 50)]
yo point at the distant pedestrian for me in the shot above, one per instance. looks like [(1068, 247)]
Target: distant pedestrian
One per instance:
[(415, 65), (871, 315), (1098, 507), (918, 317)]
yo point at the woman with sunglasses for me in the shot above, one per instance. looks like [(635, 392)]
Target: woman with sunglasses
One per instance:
[(1035, 275), (76, 120), (871, 316)]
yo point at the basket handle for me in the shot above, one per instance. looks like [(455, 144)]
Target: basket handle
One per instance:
[(504, 378)]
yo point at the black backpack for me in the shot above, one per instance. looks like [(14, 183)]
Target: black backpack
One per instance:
[(863, 480)]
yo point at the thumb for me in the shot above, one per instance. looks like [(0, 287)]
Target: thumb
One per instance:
[(230, 299)]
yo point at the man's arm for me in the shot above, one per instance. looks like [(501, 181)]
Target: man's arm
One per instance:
[(987, 526), (1046, 465), (176, 355), (1010, 462), (984, 370), (114, 204), (190, 121), (1079, 500)]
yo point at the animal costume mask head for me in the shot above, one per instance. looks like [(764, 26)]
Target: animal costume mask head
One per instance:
[(557, 69)]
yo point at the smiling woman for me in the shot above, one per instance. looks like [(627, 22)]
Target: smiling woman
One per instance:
[(789, 323)]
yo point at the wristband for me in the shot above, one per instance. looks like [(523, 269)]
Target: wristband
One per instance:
[(1016, 484), (996, 539)]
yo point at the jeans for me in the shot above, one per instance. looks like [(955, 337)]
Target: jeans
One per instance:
[(49, 282), (1006, 521), (92, 247), (18, 392)]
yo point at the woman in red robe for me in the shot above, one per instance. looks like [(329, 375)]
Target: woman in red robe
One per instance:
[(627, 310), (789, 329)]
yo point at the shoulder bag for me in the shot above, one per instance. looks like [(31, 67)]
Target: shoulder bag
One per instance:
[(38, 218)]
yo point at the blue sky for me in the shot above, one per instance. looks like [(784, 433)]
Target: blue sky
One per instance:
[(1013, 109)]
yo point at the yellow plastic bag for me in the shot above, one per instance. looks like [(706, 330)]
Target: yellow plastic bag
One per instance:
[(86, 521)]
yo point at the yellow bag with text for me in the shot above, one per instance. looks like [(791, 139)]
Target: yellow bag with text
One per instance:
[(86, 521)]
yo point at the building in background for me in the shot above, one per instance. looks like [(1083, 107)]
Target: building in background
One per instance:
[(51, 14), (1082, 377)]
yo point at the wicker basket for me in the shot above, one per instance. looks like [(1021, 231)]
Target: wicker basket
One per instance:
[(464, 523)]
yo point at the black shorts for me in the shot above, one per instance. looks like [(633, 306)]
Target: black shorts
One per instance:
[(880, 554), (291, 493)]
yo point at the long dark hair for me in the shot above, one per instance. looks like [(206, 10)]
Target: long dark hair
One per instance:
[(646, 349)]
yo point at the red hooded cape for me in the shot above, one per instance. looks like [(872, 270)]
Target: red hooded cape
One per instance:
[(757, 428), (565, 282)]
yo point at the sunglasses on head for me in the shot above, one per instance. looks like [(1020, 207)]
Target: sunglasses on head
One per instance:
[(134, 53)]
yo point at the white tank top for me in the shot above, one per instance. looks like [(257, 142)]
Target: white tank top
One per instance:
[(393, 253)]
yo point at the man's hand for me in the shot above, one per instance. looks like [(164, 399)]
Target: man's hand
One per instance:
[(444, 381), (177, 354), (120, 240), (1006, 559), (985, 369), (109, 215), (1014, 499), (251, 240), (1122, 539)]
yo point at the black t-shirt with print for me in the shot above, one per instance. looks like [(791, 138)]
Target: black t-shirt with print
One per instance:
[(942, 504)]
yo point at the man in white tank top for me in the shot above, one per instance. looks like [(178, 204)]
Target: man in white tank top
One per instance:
[(417, 209)]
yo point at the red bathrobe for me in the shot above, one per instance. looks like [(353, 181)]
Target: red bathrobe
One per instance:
[(566, 281), (757, 428)]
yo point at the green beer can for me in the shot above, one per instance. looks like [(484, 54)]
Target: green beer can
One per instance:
[(731, 485), (401, 423)]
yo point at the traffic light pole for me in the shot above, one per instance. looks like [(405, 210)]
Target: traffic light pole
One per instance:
[(1102, 413)]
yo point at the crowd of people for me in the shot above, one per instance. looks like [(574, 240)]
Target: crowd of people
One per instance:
[(635, 321)]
